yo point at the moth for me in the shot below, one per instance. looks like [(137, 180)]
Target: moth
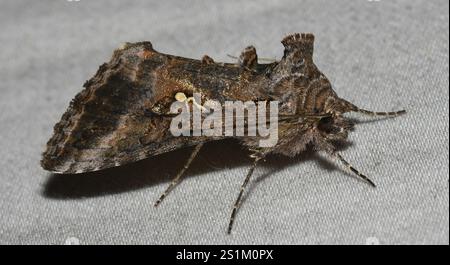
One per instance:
[(123, 113)]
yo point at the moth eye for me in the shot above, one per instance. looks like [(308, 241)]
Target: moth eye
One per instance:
[(326, 120), (327, 125)]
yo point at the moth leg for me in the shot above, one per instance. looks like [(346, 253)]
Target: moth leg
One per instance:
[(257, 158), (180, 174), (354, 170)]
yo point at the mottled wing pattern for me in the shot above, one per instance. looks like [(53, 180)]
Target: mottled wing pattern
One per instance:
[(122, 114), (112, 121)]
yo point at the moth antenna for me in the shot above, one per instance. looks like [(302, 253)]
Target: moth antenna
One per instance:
[(264, 59), (346, 106), (241, 192), (354, 170), (351, 107), (380, 113), (180, 174)]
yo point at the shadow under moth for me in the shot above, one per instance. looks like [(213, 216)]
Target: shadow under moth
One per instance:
[(123, 114)]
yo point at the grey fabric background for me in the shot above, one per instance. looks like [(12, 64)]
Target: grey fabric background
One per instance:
[(384, 55)]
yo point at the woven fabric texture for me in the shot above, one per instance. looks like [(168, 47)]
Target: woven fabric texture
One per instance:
[(380, 55)]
